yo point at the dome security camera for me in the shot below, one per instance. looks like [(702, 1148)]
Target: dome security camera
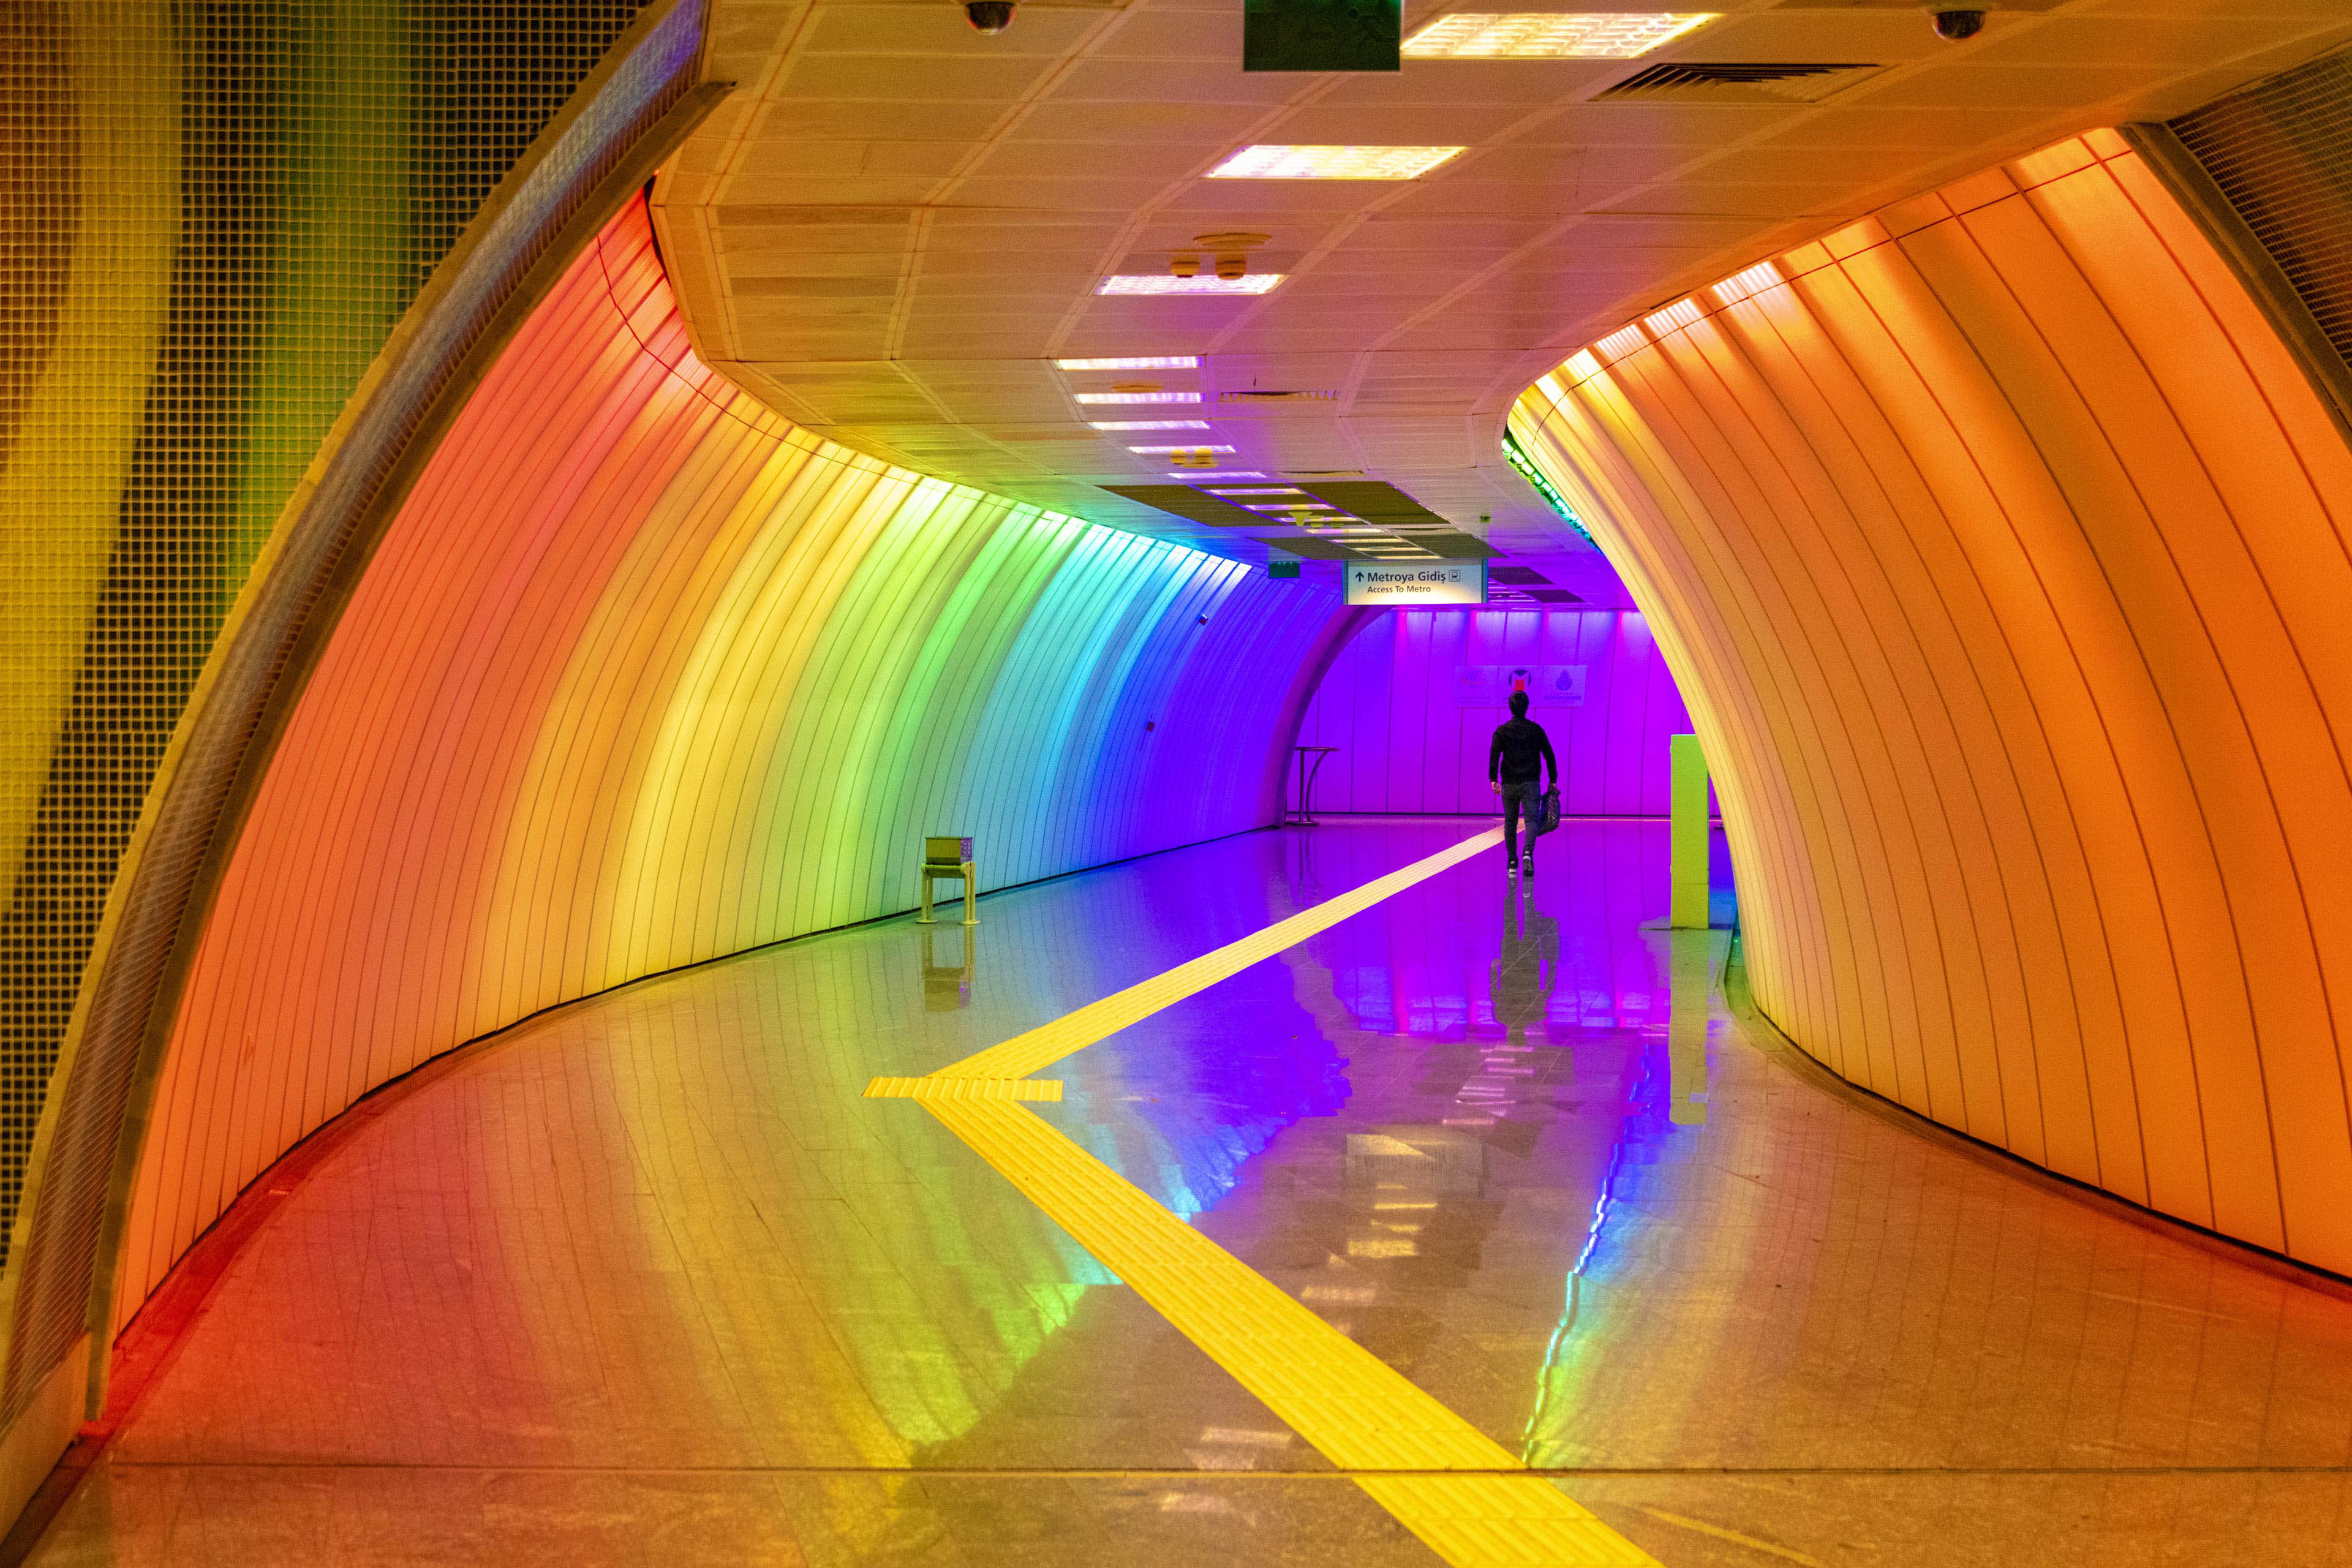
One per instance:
[(990, 16), (1950, 26)]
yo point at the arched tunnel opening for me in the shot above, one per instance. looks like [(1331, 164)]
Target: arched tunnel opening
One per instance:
[(608, 592)]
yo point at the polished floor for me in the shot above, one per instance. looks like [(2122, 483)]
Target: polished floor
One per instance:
[(647, 1281)]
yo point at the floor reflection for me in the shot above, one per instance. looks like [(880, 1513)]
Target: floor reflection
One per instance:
[(647, 1279)]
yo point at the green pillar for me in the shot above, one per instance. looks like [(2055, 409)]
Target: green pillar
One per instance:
[(1687, 862)]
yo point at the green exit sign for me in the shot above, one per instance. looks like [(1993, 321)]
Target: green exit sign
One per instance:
[(1282, 568), (1322, 34)]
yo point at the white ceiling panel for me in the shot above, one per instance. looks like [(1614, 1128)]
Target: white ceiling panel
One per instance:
[(940, 30), (998, 78), (1154, 35), (791, 122), (1060, 121)]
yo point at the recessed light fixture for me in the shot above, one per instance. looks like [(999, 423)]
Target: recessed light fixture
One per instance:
[(1168, 362), (1164, 451), (1261, 490), (1138, 396), (1166, 283), (1682, 312), (1270, 162), (1548, 36), (1148, 424), (1224, 474), (1747, 285)]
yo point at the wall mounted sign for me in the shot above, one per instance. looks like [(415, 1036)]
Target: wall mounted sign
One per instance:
[(1491, 684), (1413, 583)]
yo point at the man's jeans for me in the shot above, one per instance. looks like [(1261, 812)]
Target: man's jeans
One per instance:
[(1515, 797)]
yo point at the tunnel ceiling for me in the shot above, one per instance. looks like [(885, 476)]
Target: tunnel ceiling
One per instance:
[(897, 225)]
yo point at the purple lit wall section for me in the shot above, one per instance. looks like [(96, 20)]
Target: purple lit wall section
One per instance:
[(1388, 705)]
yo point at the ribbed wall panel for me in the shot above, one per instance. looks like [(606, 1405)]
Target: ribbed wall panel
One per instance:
[(1404, 746), (642, 675), (2000, 550)]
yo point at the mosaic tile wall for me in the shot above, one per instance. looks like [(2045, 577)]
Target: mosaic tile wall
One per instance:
[(218, 211)]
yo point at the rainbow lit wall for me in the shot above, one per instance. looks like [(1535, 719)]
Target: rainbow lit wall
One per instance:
[(1405, 745), (642, 675), (1998, 543)]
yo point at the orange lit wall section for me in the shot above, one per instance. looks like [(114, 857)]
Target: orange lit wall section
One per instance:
[(1998, 546), (642, 675)]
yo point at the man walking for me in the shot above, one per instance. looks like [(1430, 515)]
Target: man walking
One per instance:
[(1514, 769)]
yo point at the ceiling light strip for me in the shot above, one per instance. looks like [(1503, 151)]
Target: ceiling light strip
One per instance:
[(1749, 284), (1536, 477), (1683, 312), (1549, 35), (1164, 361), (1294, 162), (1169, 283)]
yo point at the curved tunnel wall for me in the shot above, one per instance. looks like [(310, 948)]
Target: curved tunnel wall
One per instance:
[(1999, 547), (641, 676)]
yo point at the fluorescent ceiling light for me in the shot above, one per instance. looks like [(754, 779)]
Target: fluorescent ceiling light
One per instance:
[(1169, 283), (1332, 164), (1148, 424), (1223, 474), (1168, 362), (1548, 36), (1163, 451), (1138, 396), (1261, 490)]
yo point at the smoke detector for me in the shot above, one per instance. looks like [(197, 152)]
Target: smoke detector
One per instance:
[(1229, 248)]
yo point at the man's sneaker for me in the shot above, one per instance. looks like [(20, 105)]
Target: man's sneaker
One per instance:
[(1528, 868), (1512, 869)]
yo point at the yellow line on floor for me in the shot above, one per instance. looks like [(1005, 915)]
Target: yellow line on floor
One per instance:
[(1355, 1409), (1043, 1088), (1049, 1043)]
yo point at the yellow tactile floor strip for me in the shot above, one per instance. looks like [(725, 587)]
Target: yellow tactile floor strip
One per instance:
[(1357, 1410), (937, 1088), (1049, 1043)]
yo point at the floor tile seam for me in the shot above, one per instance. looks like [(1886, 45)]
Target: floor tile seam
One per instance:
[(1073, 1031)]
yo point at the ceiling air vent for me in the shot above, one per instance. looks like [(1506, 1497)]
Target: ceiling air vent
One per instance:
[(1694, 81), (1255, 396)]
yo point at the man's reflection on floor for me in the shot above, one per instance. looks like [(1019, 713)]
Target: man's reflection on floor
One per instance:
[(1526, 966)]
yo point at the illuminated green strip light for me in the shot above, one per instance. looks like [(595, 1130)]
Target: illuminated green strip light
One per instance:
[(1543, 487)]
